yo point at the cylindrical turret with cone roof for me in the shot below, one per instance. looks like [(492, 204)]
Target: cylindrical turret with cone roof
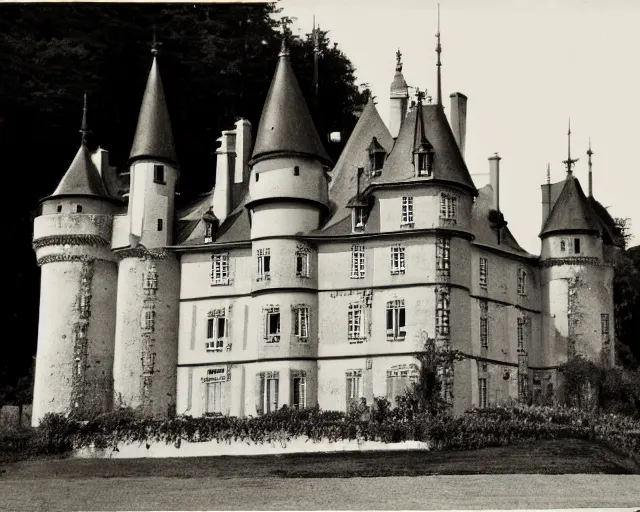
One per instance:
[(146, 336), (78, 287)]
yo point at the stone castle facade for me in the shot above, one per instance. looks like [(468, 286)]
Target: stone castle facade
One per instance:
[(297, 281)]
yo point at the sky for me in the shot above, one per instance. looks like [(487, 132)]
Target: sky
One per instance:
[(526, 67)]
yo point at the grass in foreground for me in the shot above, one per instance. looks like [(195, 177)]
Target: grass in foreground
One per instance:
[(544, 457)]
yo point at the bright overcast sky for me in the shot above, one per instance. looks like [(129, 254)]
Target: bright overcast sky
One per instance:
[(526, 67)]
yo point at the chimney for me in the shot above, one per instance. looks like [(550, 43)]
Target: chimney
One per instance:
[(242, 150), (225, 159), (459, 119), (101, 160), (494, 181)]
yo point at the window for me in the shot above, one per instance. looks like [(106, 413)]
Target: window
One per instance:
[(158, 174), (604, 327), (442, 314), (484, 272), (268, 392), (563, 246), (59, 208), (359, 219), (216, 330), (151, 278), (148, 317), (357, 262), (208, 232), (397, 260), (484, 324), (521, 324), (576, 245), (522, 281), (399, 380), (78, 366), (272, 324), (301, 322), (220, 269), (303, 263), (216, 396), (159, 224), (296, 171), (407, 211), (448, 207), (354, 387), (78, 209), (396, 320), (482, 392), (443, 256), (299, 383), (378, 160), (355, 322), (264, 264), (257, 176), (422, 164)]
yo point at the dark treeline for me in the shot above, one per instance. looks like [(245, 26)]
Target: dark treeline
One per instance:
[(216, 61)]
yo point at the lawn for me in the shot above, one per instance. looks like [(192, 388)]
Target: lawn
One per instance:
[(551, 474)]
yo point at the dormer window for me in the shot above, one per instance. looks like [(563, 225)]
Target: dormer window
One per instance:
[(377, 156), (210, 225), (208, 233), (424, 156), (359, 219)]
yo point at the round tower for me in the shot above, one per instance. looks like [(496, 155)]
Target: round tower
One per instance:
[(288, 195), (77, 299), (146, 335), (576, 280)]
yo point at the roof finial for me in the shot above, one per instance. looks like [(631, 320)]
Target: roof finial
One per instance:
[(398, 61), (155, 44), (548, 173), (569, 162), (83, 127), (439, 63), (589, 153), (316, 53)]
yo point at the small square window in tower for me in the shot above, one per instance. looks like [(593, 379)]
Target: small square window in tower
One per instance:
[(563, 246), (78, 209), (160, 224), (264, 265), (442, 313), (448, 210), (396, 320), (303, 263), (443, 257), (158, 174), (576, 245), (377, 156), (484, 273), (522, 282)]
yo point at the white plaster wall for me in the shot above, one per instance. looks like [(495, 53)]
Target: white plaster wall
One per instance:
[(73, 224), (590, 246), (196, 274), (120, 236), (129, 337), (426, 208), (153, 201), (284, 218), (69, 206), (283, 265), (277, 180)]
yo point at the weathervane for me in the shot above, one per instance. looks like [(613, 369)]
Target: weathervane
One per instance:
[(398, 61), (83, 127), (439, 63), (569, 162), (155, 44)]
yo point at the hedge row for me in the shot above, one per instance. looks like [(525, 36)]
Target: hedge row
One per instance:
[(476, 429)]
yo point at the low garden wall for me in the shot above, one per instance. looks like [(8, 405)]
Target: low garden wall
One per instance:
[(216, 449)]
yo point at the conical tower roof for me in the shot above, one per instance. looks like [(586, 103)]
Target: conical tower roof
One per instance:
[(154, 137), (82, 177), (286, 126), (571, 212)]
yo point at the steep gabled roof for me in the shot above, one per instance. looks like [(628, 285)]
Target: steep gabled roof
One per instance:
[(286, 126), (448, 163), (572, 211), (82, 178), (154, 136), (344, 177)]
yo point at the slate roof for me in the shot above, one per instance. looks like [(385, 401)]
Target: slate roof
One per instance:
[(572, 211), (448, 164), (154, 137), (344, 178), (609, 228), (286, 126)]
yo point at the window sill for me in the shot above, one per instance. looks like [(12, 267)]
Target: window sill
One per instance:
[(220, 282), (303, 276), (302, 339), (397, 272), (396, 338), (272, 339), (357, 276), (356, 341), (265, 277), (406, 225)]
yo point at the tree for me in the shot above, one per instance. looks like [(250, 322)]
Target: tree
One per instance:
[(217, 62)]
